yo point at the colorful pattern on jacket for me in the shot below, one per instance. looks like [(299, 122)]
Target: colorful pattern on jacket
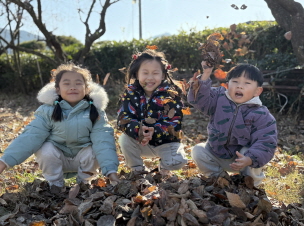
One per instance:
[(163, 111), (233, 126)]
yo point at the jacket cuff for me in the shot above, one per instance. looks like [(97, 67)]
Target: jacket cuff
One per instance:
[(109, 169), (255, 163), (109, 172)]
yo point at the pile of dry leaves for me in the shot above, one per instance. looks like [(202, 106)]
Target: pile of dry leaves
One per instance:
[(148, 199)]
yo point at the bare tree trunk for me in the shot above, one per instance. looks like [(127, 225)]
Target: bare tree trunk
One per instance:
[(51, 40), (290, 15)]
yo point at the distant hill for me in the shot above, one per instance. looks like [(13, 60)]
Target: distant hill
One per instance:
[(24, 36)]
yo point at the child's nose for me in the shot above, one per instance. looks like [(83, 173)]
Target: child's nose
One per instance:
[(150, 76), (240, 86)]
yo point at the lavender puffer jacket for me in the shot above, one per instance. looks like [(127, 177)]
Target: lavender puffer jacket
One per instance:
[(233, 126)]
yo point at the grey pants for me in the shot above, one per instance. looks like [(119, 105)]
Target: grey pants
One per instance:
[(210, 165), (172, 155), (54, 164)]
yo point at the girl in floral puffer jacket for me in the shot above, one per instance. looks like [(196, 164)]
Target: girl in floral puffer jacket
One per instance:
[(151, 114)]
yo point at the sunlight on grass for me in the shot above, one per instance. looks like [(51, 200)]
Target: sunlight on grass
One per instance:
[(284, 188)]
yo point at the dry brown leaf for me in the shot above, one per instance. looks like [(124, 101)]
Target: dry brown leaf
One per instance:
[(235, 200), (249, 215), (147, 190), (171, 213), (37, 223), (146, 212), (74, 191), (249, 182), (183, 207), (223, 182), (85, 207), (183, 188), (172, 93)]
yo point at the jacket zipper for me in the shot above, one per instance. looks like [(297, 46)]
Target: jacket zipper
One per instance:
[(230, 129)]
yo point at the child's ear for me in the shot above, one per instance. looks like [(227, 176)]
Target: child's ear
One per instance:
[(58, 91), (258, 91), (164, 76)]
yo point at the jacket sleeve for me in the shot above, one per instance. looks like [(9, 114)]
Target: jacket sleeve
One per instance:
[(169, 124), (29, 142), (127, 120), (264, 139), (103, 144), (206, 98)]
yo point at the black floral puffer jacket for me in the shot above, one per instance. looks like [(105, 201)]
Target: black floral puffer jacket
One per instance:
[(163, 111)]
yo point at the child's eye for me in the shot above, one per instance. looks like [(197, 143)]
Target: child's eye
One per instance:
[(248, 83)]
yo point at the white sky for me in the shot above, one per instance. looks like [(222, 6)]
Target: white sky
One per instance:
[(158, 17)]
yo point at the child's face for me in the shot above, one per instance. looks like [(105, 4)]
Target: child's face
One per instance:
[(242, 89), (150, 76), (72, 87)]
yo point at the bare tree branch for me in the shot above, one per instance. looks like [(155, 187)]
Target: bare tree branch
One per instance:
[(26, 50), (91, 37), (51, 39)]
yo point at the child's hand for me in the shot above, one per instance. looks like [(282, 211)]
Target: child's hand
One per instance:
[(240, 162), (148, 133), (207, 71), (2, 166)]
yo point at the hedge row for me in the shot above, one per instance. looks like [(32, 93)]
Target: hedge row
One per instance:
[(260, 43)]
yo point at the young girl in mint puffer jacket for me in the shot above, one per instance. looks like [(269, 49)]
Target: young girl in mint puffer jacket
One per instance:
[(70, 133), (242, 133)]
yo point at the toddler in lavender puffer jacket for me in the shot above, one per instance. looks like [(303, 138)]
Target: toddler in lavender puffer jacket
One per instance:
[(242, 133)]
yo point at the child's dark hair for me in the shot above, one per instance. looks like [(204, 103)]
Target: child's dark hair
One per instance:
[(149, 54), (251, 72), (57, 75)]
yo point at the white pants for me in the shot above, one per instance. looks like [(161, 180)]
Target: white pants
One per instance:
[(172, 155), (54, 164), (210, 165)]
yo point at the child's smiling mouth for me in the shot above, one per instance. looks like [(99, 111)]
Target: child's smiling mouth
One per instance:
[(149, 84)]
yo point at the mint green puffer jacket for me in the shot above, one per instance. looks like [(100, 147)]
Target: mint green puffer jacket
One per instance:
[(70, 135)]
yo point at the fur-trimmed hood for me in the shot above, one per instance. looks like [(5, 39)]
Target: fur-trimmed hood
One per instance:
[(48, 95)]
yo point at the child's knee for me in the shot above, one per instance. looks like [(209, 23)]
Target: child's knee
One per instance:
[(197, 152)]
